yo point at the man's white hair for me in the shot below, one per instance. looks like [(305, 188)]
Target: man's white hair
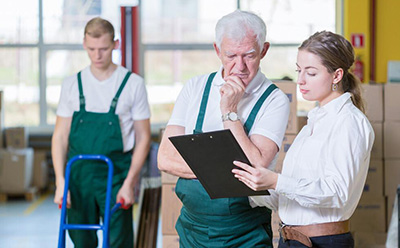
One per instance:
[(239, 24)]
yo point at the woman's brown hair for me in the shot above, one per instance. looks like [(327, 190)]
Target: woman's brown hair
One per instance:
[(336, 52)]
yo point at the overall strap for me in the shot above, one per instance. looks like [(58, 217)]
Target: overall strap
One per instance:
[(116, 97), (81, 96), (252, 116), (203, 105)]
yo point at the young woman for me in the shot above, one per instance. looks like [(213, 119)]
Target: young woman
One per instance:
[(325, 169)]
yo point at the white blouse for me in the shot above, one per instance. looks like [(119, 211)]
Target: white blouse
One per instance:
[(324, 171)]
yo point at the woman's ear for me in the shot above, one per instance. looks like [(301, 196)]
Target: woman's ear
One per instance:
[(338, 75)]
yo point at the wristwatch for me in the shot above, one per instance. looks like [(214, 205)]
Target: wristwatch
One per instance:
[(230, 116)]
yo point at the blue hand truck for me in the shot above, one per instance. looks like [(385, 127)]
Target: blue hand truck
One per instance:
[(107, 213)]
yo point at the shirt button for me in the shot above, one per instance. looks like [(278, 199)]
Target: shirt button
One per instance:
[(80, 120), (110, 123)]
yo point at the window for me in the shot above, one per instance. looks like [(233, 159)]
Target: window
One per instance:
[(41, 44)]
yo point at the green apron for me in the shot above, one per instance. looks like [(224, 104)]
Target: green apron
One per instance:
[(97, 133), (226, 222)]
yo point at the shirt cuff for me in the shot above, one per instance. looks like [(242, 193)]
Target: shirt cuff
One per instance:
[(285, 185)]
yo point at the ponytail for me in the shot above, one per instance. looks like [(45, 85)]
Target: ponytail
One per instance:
[(352, 85)]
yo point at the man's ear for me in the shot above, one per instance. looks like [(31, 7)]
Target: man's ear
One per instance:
[(116, 44), (265, 49), (217, 50)]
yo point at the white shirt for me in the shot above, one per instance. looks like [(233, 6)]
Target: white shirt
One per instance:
[(324, 171), (132, 104), (270, 121)]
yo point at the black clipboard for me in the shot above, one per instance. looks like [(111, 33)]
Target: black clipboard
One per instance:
[(210, 155)]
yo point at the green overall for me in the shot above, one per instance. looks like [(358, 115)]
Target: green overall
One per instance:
[(97, 133), (226, 222)]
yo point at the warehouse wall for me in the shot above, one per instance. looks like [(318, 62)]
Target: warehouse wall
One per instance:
[(387, 36), (357, 19)]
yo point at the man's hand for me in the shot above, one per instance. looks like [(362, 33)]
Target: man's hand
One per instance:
[(58, 196), (126, 192), (231, 93)]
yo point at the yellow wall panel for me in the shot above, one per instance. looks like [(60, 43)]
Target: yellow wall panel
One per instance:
[(387, 36), (357, 21)]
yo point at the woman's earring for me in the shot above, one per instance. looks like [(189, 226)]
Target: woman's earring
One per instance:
[(334, 87)]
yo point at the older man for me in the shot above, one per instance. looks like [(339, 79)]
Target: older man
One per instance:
[(227, 99)]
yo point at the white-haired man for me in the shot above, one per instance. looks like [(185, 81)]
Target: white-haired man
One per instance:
[(229, 96)]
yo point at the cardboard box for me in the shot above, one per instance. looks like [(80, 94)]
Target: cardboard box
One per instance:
[(373, 98), (391, 139), (369, 239), (40, 170), (373, 187), (170, 241), (16, 137), (286, 143), (275, 220), (290, 89), (301, 122), (389, 208), (369, 215), (392, 176), (16, 167), (170, 209), (275, 241), (1, 119), (392, 102), (377, 148), (168, 178)]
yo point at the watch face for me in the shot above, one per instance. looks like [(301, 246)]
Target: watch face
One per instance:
[(232, 116)]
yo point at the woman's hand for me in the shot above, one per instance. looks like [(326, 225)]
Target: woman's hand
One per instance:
[(256, 178)]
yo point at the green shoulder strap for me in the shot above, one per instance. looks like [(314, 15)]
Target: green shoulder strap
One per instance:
[(81, 96), (203, 105), (116, 97), (252, 116)]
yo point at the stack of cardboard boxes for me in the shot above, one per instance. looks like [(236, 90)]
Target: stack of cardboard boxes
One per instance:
[(22, 172), (369, 218), (1, 119), (391, 145), (16, 165), (290, 89), (170, 210)]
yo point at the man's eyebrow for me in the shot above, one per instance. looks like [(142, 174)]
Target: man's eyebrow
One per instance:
[(250, 51)]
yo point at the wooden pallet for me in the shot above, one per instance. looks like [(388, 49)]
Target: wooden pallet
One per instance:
[(29, 195)]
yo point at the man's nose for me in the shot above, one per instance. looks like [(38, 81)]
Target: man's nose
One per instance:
[(240, 63), (97, 54)]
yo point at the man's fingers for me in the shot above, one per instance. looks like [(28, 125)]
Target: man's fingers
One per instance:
[(235, 81), (234, 86)]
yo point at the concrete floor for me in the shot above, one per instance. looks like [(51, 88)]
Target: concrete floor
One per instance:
[(35, 224)]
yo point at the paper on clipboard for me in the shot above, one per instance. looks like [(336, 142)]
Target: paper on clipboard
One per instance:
[(210, 155)]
